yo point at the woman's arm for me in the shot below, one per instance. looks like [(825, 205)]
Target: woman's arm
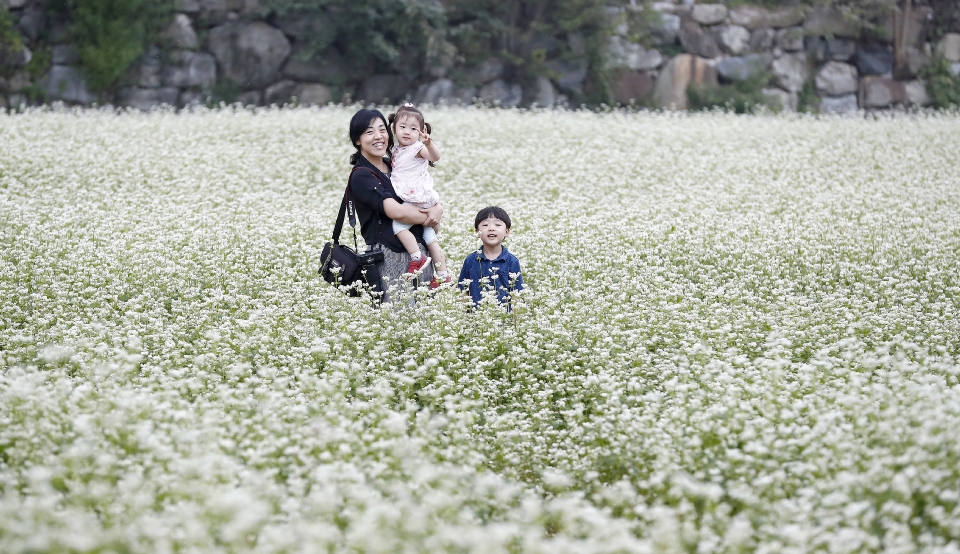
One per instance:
[(404, 213)]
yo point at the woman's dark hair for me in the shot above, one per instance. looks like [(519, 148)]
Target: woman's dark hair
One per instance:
[(495, 212), (359, 124), (408, 110)]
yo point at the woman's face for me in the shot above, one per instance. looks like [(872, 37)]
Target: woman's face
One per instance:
[(373, 142)]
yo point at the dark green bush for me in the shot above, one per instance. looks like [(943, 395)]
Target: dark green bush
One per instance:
[(943, 86), (740, 96), (111, 34)]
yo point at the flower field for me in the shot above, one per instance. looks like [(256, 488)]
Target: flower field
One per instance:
[(742, 334)]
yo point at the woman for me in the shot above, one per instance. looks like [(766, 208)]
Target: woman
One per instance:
[(377, 204)]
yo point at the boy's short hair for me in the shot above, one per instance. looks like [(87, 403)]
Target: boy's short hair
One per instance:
[(491, 211)]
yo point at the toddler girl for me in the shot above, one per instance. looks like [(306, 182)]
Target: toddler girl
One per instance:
[(414, 185)]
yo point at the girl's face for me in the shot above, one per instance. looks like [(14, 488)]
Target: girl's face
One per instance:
[(373, 142), (407, 130)]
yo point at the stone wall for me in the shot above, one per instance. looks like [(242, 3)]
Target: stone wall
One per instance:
[(228, 45)]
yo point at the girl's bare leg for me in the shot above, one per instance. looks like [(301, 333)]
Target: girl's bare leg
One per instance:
[(408, 241)]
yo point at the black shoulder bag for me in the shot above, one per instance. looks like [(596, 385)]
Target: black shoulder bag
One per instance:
[(345, 266)]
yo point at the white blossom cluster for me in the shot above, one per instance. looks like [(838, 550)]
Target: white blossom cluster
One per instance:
[(741, 334)]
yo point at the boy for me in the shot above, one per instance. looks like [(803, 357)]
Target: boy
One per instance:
[(491, 266)]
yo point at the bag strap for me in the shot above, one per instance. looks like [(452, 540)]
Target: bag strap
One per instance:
[(346, 207)]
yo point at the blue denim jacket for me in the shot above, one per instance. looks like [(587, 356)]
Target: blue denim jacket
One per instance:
[(503, 274)]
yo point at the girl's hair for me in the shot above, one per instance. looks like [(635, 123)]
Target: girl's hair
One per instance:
[(359, 125), (408, 110)]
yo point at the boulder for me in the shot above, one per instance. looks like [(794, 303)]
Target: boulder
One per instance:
[(15, 58), (545, 95), (327, 68), (187, 6), (299, 26), (64, 54), (630, 55), (762, 39), (913, 30), (250, 98), (916, 93), (499, 93), (751, 17), (312, 94), (244, 7), (3, 102), (955, 68), (791, 71), (790, 39), (443, 90), (816, 49), (840, 49), (837, 79), (67, 83), (632, 87), (383, 89), (681, 71), (280, 93), (878, 92), (665, 29), (180, 34), (949, 47), (732, 39), (191, 98), (15, 83), (874, 59), (740, 68), (213, 12), (568, 74), (785, 17), (150, 67), (697, 41), (488, 71), (33, 20), (189, 69), (250, 54), (147, 98), (827, 21), (910, 65), (15, 4), (780, 97), (708, 14), (841, 105)]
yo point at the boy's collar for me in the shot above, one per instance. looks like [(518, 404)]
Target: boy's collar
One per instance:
[(503, 253)]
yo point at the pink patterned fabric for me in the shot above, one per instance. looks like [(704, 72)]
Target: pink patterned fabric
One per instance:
[(410, 177)]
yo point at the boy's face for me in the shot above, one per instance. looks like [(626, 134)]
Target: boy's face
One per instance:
[(492, 231)]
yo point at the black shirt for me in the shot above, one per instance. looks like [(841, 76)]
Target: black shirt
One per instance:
[(368, 193)]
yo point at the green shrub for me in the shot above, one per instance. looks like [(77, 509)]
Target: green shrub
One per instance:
[(943, 86), (112, 34), (808, 101), (10, 41), (740, 96)]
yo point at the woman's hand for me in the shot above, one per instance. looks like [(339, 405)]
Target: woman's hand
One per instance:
[(434, 215)]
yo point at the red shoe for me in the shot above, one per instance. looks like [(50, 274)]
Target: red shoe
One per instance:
[(437, 283), (417, 265)]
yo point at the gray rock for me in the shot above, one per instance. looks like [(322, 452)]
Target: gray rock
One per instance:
[(780, 97), (190, 69), (545, 95), (837, 79), (874, 59), (670, 90), (708, 14), (213, 12), (733, 39), (785, 17), (499, 93), (383, 89), (949, 47), (841, 105), (250, 98), (696, 41), (666, 29), (149, 69), (244, 7), (180, 33), (570, 74), (633, 87), (298, 26), (33, 20), (15, 83), (916, 93), (840, 49), (328, 68), (955, 68), (790, 39), (827, 21), (878, 92), (17, 58), (816, 49), (742, 68), (59, 33), (312, 94), (280, 93), (751, 17), (791, 71), (147, 98), (187, 6), (434, 92), (64, 54), (192, 98), (250, 54), (623, 54), (490, 70), (67, 83), (15, 4), (762, 39), (3, 102)]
